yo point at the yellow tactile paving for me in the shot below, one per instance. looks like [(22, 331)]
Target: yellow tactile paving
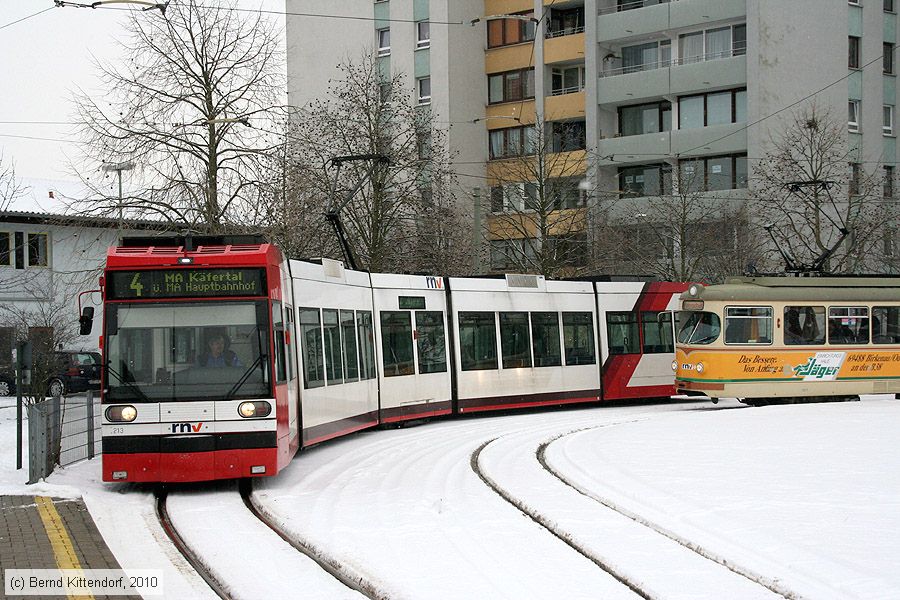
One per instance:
[(63, 551)]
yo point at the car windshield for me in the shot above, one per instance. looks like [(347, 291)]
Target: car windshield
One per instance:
[(178, 351), (698, 327)]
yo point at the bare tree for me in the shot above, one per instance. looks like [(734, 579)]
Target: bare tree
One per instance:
[(368, 113), (10, 187), (180, 107), (680, 231), (823, 208), (539, 206)]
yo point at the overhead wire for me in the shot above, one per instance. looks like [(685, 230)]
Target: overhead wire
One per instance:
[(10, 24)]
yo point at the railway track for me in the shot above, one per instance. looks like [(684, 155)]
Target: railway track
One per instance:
[(353, 581)]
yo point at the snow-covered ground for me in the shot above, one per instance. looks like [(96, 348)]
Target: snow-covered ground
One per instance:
[(684, 500)]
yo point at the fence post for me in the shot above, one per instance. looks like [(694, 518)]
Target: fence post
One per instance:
[(90, 423), (55, 433), (37, 442)]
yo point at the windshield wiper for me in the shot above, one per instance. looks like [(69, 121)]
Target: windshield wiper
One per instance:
[(244, 377), (128, 384)]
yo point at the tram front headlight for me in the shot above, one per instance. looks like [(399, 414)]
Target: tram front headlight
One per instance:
[(700, 367), (121, 414), (256, 408), (674, 365)]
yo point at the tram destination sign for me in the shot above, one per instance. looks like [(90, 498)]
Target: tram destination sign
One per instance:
[(185, 283)]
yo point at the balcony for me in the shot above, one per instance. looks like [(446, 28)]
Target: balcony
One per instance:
[(642, 17), (634, 83), (649, 147), (564, 49), (565, 106), (705, 141)]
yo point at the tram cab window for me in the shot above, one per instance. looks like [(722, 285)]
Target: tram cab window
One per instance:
[(622, 333), (848, 325), (545, 339), (886, 325), (578, 338), (748, 325), (477, 341), (396, 343), (278, 328), (515, 340), (698, 328), (311, 348), (431, 344), (804, 325), (657, 334)]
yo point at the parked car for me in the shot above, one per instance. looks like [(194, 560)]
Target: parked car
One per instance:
[(77, 371)]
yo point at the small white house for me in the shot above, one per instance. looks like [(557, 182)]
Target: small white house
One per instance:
[(48, 260)]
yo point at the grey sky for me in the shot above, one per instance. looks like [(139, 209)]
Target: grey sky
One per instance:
[(44, 59)]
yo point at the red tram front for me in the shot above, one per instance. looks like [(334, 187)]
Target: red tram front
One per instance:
[(197, 362)]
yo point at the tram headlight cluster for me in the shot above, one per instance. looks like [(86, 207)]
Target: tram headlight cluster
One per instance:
[(257, 408), (675, 365), (700, 367), (121, 414)]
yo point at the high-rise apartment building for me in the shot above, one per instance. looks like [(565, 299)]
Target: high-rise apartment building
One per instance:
[(631, 90)]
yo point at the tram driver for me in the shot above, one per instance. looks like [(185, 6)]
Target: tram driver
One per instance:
[(218, 352)]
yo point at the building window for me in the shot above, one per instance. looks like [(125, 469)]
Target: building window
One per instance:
[(718, 108), (645, 180), (37, 250), (384, 41), (854, 179), (514, 197), (712, 44), (887, 59), (889, 5), (423, 34), (853, 115), (511, 86), (503, 32), (853, 58), (423, 85), (566, 193), (713, 173), (888, 185), (566, 22), (569, 136), (512, 141), (888, 126), (5, 249), (512, 254), (645, 118), (567, 80), (646, 57)]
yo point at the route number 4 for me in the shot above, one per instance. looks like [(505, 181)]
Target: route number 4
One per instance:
[(136, 284)]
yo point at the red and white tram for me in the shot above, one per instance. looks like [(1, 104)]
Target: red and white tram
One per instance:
[(223, 359)]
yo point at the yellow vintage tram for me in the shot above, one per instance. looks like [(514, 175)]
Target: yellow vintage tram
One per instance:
[(786, 339)]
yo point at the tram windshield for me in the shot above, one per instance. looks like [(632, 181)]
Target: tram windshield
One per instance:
[(698, 327), (178, 351)]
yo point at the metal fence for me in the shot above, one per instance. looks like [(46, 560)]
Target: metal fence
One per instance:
[(62, 431)]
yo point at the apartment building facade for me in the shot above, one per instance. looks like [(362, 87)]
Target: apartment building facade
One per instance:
[(629, 91)]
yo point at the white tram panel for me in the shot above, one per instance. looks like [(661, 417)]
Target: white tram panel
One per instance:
[(332, 404), (494, 388), (413, 365)]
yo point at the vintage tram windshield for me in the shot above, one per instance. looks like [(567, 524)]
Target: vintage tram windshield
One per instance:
[(698, 327), (164, 352)]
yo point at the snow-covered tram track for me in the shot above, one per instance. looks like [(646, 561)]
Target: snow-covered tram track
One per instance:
[(241, 553), (610, 536)]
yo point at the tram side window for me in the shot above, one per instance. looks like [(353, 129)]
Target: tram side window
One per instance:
[(477, 341), (748, 325), (804, 325), (515, 340), (348, 336), (622, 333), (545, 339), (396, 343), (578, 338), (332, 332), (848, 325), (278, 327), (657, 334), (886, 325), (366, 344), (289, 342), (311, 347), (431, 344)]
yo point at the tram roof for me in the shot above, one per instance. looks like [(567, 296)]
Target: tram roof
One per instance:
[(801, 289)]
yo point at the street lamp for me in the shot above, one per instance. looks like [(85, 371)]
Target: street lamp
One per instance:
[(118, 168)]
